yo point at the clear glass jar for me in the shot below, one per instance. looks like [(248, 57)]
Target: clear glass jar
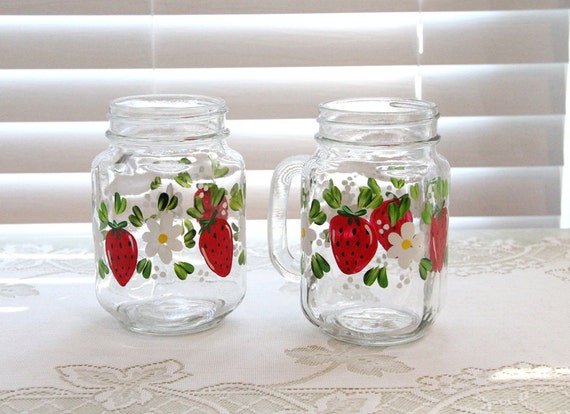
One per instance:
[(169, 215), (374, 218)]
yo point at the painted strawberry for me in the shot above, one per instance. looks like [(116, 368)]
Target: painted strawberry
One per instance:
[(352, 240), (438, 239), (208, 199), (216, 244), (122, 252), (389, 217)]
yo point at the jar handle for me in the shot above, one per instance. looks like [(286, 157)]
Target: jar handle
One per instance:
[(281, 257)]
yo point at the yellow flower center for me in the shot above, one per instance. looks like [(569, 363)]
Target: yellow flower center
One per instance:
[(406, 244), (303, 232), (162, 238)]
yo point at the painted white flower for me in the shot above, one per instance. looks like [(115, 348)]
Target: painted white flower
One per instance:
[(162, 238), (308, 236), (406, 247)]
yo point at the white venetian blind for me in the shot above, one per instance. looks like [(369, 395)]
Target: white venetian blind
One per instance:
[(497, 70)]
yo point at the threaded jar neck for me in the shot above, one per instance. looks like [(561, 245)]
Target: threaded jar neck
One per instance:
[(166, 118), (378, 121)]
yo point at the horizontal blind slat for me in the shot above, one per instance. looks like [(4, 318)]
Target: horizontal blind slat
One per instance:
[(54, 42), (286, 40), (83, 95), (82, 42), (466, 142), (530, 191), (537, 36), (105, 7)]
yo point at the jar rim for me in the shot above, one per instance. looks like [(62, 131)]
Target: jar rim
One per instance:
[(377, 111), (166, 107)]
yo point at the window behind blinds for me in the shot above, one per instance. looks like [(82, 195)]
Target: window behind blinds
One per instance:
[(496, 69)]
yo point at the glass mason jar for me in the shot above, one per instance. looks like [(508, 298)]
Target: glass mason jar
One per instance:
[(374, 221), (169, 215)]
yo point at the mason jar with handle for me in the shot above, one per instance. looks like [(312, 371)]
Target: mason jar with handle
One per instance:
[(374, 221), (169, 215)]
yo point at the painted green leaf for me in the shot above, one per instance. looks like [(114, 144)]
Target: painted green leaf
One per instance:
[(162, 201), (180, 272), (218, 195), (333, 196), (427, 213), (398, 182), (136, 218), (383, 277), (103, 269), (445, 188), (370, 276), (236, 202), (324, 265), (120, 204), (315, 214), (393, 213), (144, 267), (374, 187), (415, 191), (103, 214), (220, 172), (157, 182), (241, 258), (194, 212), (425, 268), (364, 197), (187, 267), (183, 269), (184, 179), (316, 267), (189, 241), (376, 201), (185, 161), (172, 203), (404, 207)]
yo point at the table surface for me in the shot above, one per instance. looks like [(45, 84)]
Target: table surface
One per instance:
[(501, 343)]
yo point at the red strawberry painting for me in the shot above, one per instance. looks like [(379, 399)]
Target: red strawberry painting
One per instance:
[(216, 244), (389, 217), (122, 252), (207, 200), (352, 239), (438, 238)]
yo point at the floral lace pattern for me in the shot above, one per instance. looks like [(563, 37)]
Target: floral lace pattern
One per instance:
[(489, 254), (318, 375), (161, 387)]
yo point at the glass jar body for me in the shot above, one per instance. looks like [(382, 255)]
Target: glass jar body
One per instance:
[(374, 230), (169, 227), (374, 221)]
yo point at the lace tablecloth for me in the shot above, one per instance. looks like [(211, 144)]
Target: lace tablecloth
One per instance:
[(501, 344)]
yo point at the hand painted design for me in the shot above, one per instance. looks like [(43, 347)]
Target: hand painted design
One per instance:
[(382, 217), (121, 249), (216, 235), (389, 217), (406, 245), (162, 237), (167, 228), (438, 239), (352, 240), (216, 244)]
